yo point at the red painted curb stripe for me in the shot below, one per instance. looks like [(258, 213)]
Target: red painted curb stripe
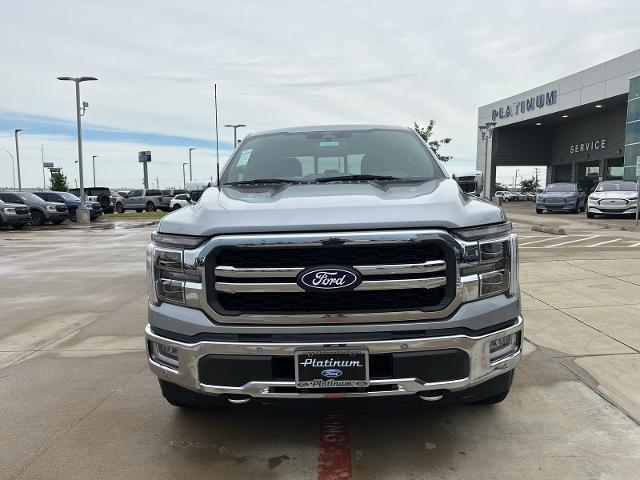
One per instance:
[(334, 460)]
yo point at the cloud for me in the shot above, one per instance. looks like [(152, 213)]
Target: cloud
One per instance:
[(285, 63)]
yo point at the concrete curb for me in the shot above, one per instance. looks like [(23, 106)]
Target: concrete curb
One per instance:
[(546, 229), (615, 226)]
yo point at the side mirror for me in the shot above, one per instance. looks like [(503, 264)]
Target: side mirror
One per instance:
[(469, 182)]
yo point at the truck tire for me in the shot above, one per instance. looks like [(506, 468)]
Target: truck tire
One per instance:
[(37, 218), (119, 208), (139, 210), (590, 215), (185, 398), (538, 211), (150, 207)]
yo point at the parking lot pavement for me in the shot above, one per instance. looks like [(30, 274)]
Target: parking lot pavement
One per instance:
[(78, 401)]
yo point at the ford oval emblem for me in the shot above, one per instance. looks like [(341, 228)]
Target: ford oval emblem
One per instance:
[(329, 278), (331, 373)]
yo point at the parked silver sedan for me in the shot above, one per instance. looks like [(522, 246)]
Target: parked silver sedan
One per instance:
[(613, 197)]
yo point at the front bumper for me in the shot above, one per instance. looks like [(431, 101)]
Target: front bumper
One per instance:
[(58, 216), (11, 219), (481, 369), (557, 207)]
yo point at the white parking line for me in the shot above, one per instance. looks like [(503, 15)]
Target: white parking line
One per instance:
[(572, 241), (604, 243), (635, 245), (537, 241)]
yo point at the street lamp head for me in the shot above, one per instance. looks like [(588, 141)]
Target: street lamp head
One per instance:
[(192, 148), (17, 130), (77, 79), (95, 156)]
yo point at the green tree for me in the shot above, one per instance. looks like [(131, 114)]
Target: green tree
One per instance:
[(529, 185), (59, 182), (426, 133)]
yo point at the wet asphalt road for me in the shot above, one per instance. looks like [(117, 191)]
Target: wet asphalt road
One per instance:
[(78, 400)]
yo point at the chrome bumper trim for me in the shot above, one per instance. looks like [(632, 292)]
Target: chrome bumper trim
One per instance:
[(477, 347)]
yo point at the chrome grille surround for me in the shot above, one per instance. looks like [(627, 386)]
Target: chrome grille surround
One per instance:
[(195, 260)]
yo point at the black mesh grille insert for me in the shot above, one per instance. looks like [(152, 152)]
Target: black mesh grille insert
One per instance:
[(312, 302), (347, 255)]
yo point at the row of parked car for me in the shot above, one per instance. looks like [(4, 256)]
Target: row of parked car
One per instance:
[(40, 207), (610, 197), (515, 196), (37, 208)]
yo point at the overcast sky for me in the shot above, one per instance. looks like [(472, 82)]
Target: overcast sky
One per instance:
[(278, 63)]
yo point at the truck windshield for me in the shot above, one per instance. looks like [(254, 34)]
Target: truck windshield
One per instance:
[(311, 156)]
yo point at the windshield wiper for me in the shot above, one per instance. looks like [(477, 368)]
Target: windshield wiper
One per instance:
[(262, 181), (349, 178)]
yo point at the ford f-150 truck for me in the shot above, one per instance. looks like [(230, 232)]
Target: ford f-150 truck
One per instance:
[(334, 262)]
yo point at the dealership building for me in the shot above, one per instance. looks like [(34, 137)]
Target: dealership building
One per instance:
[(583, 128)]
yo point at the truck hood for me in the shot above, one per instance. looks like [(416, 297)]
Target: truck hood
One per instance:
[(331, 207)]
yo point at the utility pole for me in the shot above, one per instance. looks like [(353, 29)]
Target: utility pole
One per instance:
[(515, 179), (190, 171), (94, 169), (44, 183), (82, 215), (184, 177), (15, 133), (157, 184)]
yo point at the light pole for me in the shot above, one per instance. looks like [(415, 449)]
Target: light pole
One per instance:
[(235, 136), (94, 169), (184, 176), (13, 168), (515, 179), (486, 131), (190, 171), (83, 213), (15, 133)]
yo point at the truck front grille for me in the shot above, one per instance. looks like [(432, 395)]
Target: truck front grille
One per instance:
[(396, 277)]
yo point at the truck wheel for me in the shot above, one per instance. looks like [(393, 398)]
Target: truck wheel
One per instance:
[(139, 210), (185, 398), (37, 218), (119, 208), (538, 211), (150, 207)]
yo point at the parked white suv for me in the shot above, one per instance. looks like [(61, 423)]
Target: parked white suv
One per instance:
[(613, 197), (179, 201)]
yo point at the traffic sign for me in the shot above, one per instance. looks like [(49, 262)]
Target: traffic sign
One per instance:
[(47, 164), (144, 156), (54, 170)]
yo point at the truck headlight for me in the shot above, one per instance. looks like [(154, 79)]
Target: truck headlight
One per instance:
[(9, 210), (166, 273), (496, 265), (51, 208)]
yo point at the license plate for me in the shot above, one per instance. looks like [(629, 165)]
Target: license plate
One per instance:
[(332, 368)]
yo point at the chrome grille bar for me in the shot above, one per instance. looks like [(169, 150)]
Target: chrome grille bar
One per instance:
[(427, 283), (288, 272)]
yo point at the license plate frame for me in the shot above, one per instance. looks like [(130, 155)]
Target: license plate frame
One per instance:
[(331, 359)]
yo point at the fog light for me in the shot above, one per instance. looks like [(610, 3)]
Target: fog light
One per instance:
[(164, 354), (503, 346)]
